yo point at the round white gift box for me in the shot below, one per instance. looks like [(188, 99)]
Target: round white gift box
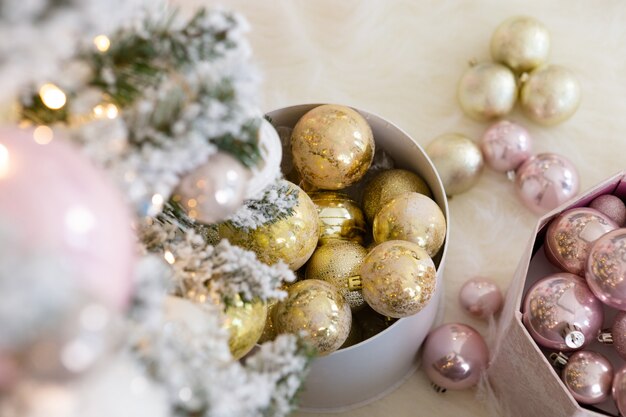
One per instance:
[(352, 377)]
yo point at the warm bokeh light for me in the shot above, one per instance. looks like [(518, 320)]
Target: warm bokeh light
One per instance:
[(169, 257), (43, 135), (4, 160), (102, 43), (52, 96), (109, 111)]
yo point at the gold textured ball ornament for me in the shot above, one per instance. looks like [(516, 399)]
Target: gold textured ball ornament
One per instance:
[(340, 217), (398, 278), (388, 184), (412, 217), (317, 308), (335, 262), (458, 161), (245, 322), (550, 95), (292, 239), (487, 90), (521, 43), (332, 146), (269, 330)]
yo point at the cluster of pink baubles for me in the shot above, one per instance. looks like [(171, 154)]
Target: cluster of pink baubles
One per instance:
[(543, 181), (565, 311)]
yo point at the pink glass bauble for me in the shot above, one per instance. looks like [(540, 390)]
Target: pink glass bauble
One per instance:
[(454, 356), (55, 201), (561, 313), (611, 206), (570, 235), (481, 297), (606, 268), (546, 181), (506, 146), (619, 390), (588, 376), (618, 334)]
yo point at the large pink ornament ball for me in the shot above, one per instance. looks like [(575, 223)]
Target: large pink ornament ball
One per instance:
[(546, 181), (588, 376), (606, 268), (454, 356), (506, 146), (54, 201), (561, 313), (619, 390), (611, 206)]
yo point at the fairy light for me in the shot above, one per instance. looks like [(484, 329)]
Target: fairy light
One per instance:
[(109, 111), (102, 43), (169, 257), (157, 200), (43, 135), (52, 96)]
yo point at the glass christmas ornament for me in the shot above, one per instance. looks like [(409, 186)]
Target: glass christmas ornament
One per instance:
[(340, 217), (481, 297), (618, 390), (486, 91), (245, 322), (616, 335), (521, 43), (612, 207), (505, 146), (588, 376), (606, 268)]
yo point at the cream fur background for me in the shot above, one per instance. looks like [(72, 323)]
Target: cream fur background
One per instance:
[(402, 60)]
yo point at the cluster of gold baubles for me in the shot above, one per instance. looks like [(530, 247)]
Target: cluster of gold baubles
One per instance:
[(352, 280)]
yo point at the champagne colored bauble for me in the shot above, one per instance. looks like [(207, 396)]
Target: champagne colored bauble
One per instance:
[(458, 161), (521, 43), (340, 218), (269, 330), (398, 278), (332, 146), (317, 308), (388, 184), (292, 239), (214, 190), (486, 91), (335, 263), (550, 95), (245, 322), (413, 217)]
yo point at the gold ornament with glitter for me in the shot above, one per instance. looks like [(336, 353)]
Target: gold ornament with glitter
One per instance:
[(332, 146), (336, 262), (292, 239), (340, 217), (245, 322)]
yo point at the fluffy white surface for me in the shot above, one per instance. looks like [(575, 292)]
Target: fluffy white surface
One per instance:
[(402, 60)]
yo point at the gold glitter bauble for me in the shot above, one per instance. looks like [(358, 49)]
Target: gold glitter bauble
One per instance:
[(292, 239), (332, 146), (317, 308), (487, 91), (413, 217), (245, 322), (388, 184), (521, 43), (458, 160), (269, 330), (340, 217), (335, 262), (398, 278)]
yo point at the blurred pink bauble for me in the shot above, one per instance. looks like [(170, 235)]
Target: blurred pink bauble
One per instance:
[(606, 269), (588, 376), (546, 181), (506, 146), (619, 390), (57, 203), (611, 206), (481, 297), (561, 313), (570, 235), (454, 356), (618, 334)]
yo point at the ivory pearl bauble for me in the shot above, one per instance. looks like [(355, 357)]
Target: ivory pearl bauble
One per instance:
[(214, 190), (481, 297), (588, 376), (606, 268), (454, 356), (545, 181), (550, 95), (398, 278), (245, 322), (570, 235), (487, 90), (506, 146), (340, 217), (611, 206), (388, 184), (619, 390), (521, 43), (332, 146), (561, 313), (458, 160), (317, 308), (412, 217), (292, 239), (335, 262)]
